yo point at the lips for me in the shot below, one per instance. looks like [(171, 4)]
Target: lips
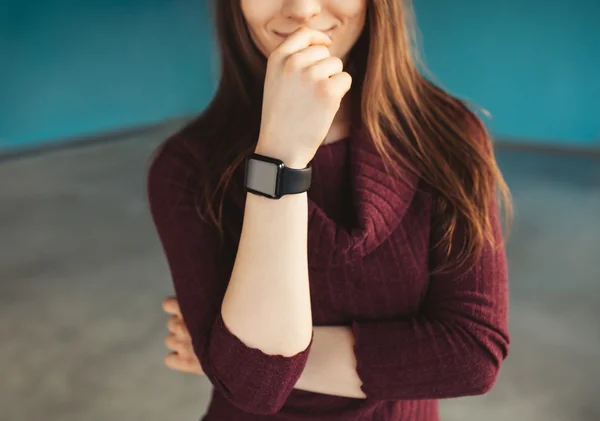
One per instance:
[(327, 32)]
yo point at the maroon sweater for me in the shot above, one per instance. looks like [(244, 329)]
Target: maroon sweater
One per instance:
[(419, 337)]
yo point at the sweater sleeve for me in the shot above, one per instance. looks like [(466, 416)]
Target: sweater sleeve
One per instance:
[(453, 347), (200, 268)]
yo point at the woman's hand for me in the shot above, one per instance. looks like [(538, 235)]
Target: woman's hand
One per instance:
[(304, 86), (179, 341)]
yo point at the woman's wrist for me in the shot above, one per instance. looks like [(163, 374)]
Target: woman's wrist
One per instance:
[(291, 160)]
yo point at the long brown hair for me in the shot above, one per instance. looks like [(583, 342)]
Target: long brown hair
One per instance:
[(414, 124)]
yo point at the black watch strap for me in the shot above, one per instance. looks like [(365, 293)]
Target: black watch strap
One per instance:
[(294, 181)]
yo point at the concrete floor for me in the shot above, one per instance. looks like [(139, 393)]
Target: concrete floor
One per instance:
[(83, 277)]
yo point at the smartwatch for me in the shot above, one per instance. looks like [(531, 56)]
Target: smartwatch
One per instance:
[(269, 177)]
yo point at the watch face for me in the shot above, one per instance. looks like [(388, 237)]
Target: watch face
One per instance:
[(261, 176)]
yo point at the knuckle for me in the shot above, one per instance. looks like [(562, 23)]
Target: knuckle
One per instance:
[(338, 63), (342, 81), (321, 49), (348, 80), (293, 64), (276, 55), (327, 90), (312, 74), (169, 360), (170, 341), (175, 325)]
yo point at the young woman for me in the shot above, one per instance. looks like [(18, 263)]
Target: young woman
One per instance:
[(330, 223)]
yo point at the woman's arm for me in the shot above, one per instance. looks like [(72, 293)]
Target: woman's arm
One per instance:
[(331, 364), (454, 347), (251, 325), (267, 303), (256, 377)]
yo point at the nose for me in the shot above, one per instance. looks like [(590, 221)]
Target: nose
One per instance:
[(301, 10)]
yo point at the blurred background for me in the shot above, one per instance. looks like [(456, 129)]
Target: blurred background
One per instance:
[(89, 88)]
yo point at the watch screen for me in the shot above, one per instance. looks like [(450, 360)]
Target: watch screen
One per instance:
[(262, 176)]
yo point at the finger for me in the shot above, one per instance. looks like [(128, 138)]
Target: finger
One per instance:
[(171, 306), (175, 325), (307, 57), (175, 362), (326, 68), (300, 40), (338, 85), (175, 343)]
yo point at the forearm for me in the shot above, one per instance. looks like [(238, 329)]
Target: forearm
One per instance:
[(267, 303), (437, 361), (331, 365)]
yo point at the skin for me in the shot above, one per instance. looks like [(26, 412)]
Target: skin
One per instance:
[(341, 20), (270, 21), (306, 42), (330, 369)]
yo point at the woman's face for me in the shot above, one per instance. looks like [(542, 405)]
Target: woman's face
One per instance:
[(270, 21)]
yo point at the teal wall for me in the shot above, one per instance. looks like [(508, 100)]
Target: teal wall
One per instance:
[(73, 67), (534, 64)]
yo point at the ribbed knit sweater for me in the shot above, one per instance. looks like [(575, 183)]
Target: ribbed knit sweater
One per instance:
[(419, 337)]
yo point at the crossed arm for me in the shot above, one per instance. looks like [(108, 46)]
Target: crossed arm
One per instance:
[(453, 347), (330, 368)]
